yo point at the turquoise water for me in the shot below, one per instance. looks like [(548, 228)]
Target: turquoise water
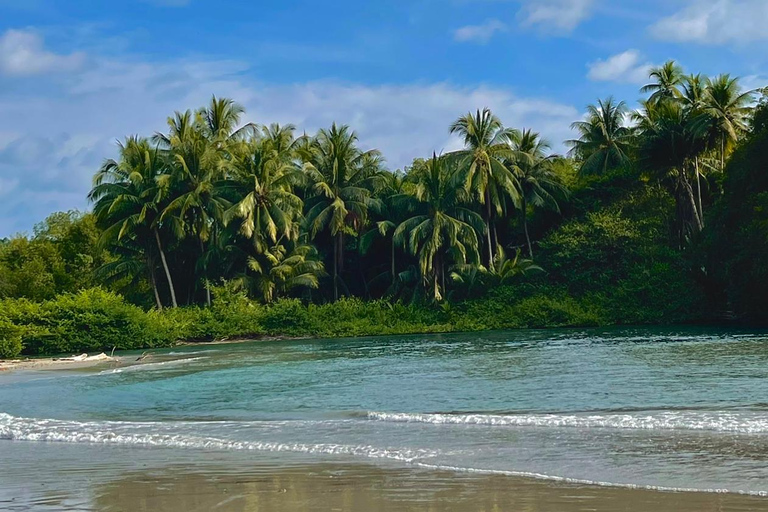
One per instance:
[(669, 409)]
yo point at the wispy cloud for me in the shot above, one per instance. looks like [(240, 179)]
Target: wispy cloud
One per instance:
[(22, 53), (715, 22), (556, 15), (52, 143), (625, 67), (479, 33)]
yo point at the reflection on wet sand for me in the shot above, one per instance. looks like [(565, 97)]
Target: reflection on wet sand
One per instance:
[(373, 489)]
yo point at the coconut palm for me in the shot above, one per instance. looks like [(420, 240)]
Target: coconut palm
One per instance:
[(262, 172), (724, 113), (279, 270), (441, 227), (342, 176), (668, 148), (605, 142), (667, 81), (195, 208), (536, 179), (486, 144), (220, 121), (393, 209), (127, 203)]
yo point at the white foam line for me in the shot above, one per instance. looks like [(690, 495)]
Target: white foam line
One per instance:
[(717, 421), (145, 366), (581, 481), (49, 430)]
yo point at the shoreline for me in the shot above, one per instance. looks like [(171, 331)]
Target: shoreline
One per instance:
[(345, 486), (61, 362)]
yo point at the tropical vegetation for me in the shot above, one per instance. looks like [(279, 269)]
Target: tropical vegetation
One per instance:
[(218, 228)]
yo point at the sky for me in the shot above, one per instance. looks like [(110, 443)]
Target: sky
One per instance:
[(78, 75)]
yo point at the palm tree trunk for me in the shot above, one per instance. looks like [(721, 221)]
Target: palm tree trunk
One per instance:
[(688, 191), (166, 269), (488, 227), (698, 190), (205, 273), (336, 267), (393, 262), (436, 276), (525, 228), (722, 154), (153, 281)]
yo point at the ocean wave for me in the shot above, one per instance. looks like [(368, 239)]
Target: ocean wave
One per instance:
[(146, 434), (177, 435), (716, 421)]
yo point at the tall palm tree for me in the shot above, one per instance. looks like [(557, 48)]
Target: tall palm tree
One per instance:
[(391, 192), (220, 121), (127, 204), (693, 92), (441, 226), (605, 142), (668, 148), (667, 81), (539, 184), (486, 144), (342, 176), (262, 173), (724, 113), (194, 206)]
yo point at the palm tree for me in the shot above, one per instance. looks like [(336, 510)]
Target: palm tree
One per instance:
[(694, 90), (724, 113), (486, 144), (220, 121), (194, 206), (391, 193), (127, 204), (441, 226), (262, 173), (667, 80), (279, 270), (668, 147), (342, 176), (505, 269), (604, 142), (539, 184)]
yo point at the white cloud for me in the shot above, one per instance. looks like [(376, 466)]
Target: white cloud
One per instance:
[(22, 52), (556, 15), (715, 22), (479, 33), (626, 67), (50, 145)]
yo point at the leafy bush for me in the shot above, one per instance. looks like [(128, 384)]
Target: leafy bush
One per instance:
[(88, 321), (10, 339)]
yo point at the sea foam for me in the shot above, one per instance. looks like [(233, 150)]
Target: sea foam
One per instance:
[(742, 422)]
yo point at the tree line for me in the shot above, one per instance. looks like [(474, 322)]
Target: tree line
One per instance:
[(212, 199)]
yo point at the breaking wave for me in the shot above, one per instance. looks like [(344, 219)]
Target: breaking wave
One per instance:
[(717, 421)]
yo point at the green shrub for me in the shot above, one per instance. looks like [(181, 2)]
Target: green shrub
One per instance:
[(10, 339), (89, 321)]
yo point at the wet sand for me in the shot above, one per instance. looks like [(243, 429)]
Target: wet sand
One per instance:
[(367, 488)]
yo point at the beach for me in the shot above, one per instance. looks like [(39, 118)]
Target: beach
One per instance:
[(566, 420)]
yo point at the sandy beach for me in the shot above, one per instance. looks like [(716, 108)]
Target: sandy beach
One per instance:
[(373, 489)]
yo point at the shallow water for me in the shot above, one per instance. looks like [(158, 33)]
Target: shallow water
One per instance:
[(683, 409)]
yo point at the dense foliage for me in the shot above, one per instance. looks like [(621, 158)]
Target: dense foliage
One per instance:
[(655, 215)]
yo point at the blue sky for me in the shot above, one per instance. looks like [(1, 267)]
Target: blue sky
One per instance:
[(75, 75)]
